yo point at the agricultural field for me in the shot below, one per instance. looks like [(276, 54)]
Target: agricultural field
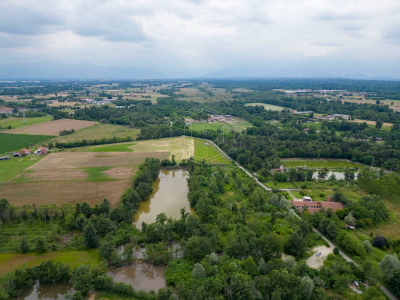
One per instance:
[(211, 126), (206, 150), (58, 104), (395, 106), (373, 123), (320, 163), (53, 127), (268, 106), (13, 142), (18, 122), (11, 262), (12, 167), (98, 132)]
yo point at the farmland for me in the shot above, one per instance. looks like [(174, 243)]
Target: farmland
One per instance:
[(208, 152), (13, 142), (321, 163), (18, 122), (373, 123), (12, 167), (235, 124), (268, 106), (53, 127), (98, 132)]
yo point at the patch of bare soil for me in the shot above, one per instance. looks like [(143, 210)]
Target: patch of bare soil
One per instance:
[(315, 261), (119, 173)]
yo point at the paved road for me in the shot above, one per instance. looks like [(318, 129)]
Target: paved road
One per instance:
[(383, 289)]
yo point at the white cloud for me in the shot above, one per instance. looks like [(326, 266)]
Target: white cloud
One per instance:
[(183, 34)]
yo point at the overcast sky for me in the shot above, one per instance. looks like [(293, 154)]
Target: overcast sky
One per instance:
[(340, 37)]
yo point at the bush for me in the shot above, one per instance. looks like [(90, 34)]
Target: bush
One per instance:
[(123, 288), (336, 251), (380, 242)]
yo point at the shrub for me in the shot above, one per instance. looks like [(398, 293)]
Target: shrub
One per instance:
[(380, 242)]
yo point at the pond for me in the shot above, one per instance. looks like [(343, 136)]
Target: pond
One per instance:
[(39, 291), (141, 275), (170, 194), (339, 175)]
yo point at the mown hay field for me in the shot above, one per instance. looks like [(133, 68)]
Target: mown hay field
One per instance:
[(267, 106), (53, 127), (321, 163), (98, 132), (205, 150)]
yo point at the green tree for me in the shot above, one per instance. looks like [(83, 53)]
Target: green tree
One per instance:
[(389, 264), (40, 245), (24, 247), (198, 272), (106, 248), (82, 279), (307, 287), (91, 239)]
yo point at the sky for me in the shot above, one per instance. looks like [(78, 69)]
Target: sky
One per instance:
[(198, 37)]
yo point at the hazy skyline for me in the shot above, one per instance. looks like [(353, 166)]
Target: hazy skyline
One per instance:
[(195, 38)]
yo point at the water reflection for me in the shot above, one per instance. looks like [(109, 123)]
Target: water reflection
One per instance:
[(47, 291), (169, 196), (142, 276)]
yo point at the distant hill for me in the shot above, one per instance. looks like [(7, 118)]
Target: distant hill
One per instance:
[(21, 71)]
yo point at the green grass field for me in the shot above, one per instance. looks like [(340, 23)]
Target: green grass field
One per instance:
[(12, 167), (97, 132), (18, 122), (113, 148), (11, 262), (267, 106), (97, 174), (209, 153), (321, 163), (280, 185), (211, 126), (14, 142)]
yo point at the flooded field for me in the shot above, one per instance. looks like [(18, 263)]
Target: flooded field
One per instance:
[(141, 275), (55, 291), (169, 196)]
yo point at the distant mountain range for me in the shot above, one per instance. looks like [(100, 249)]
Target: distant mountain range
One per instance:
[(83, 71)]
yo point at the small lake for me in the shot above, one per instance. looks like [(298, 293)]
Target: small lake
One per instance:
[(57, 291), (339, 175), (170, 194), (141, 275)]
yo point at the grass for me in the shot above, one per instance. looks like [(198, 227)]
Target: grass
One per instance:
[(321, 163), (210, 153), (392, 228), (18, 122), (113, 148), (12, 167), (11, 262), (98, 132), (12, 142), (280, 185), (211, 126), (268, 106), (97, 174)]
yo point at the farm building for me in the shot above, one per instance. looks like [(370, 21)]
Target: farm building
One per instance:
[(42, 151), (6, 110), (25, 152), (315, 206)]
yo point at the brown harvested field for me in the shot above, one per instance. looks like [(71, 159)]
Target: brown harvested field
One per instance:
[(72, 160), (371, 122), (53, 127), (119, 173), (54, 175), (58, 192)]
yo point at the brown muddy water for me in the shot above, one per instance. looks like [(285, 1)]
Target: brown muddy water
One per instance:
[(142, 276), (169, 196), (57, 291)]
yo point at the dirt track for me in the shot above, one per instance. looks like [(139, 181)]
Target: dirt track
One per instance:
[(53, 127)]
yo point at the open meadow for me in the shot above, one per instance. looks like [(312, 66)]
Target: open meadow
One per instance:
[(395, 106), (205, 150), (14, 142), (53, 127), (98, 132), (320, 163), (373, 123), (268, 106), (15, 123)]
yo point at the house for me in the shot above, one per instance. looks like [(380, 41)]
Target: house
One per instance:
[(315, 206), (42, 151), (347, 226), (307, 129), (6, 110), (25, 152), (340, 116)]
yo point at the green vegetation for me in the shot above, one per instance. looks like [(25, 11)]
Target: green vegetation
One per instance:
[(97, 174), (267, 106), (13, 123), (113, 148), (208, 152), (98, 132), (15, 142), (321, 163), (14, 166)]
